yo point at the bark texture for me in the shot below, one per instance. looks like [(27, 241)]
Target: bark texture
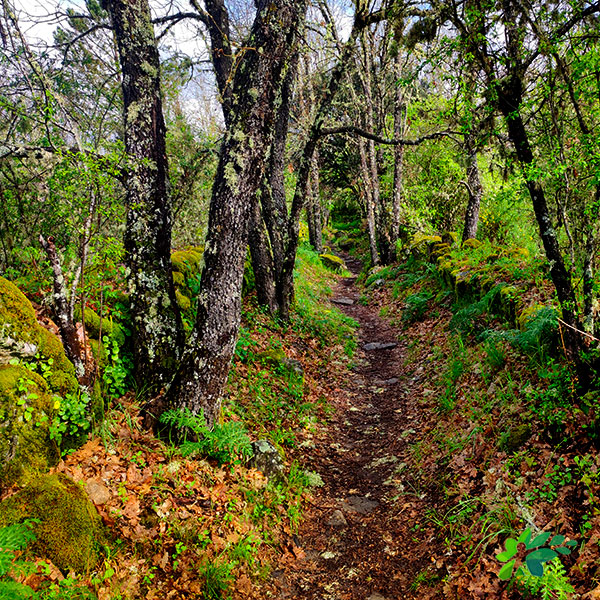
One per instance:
[(474, 189), (157, 330), (257, 85)]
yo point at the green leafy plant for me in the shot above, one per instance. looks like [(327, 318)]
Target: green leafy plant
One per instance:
[(72, 418), (14, 538), (226, 442), (543, 548), (416, 305), (554, 584), (117, 375)]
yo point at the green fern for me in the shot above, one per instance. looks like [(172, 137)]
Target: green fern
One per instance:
[(14, 538), (225, 443), (552, 585)]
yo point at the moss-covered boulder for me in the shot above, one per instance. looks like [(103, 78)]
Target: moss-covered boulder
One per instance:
[(69, 529), (26, 411), (515, 437), (96, 326), (333, 262), (22, 337), (277, 358)]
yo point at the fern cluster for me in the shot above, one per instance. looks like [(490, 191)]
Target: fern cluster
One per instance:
[(552, 585), (226, 442), (13, 539)]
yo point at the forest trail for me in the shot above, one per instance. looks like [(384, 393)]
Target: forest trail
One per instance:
[(361, 538)]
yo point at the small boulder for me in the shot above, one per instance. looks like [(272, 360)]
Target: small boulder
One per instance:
[(277, 358), (515, 437), (333, 262), (69, 530), (266, 458)]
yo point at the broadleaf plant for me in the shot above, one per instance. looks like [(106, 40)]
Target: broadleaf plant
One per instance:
[(543, 548)]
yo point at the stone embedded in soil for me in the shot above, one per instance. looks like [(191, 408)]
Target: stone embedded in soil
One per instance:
[(376, 596), (343, 300), (337, 519), (359, 504), (99, 494), (380, 346)]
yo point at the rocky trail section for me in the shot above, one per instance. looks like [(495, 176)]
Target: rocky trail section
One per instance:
[(362, 539)]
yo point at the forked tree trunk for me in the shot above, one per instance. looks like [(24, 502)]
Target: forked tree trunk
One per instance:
[(157, 328), (257, 85)]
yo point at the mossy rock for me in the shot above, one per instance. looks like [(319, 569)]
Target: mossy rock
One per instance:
[(69, 529), (471, 243), (420, 239), (515, 437), (278, 359), (20, 330), (26, 411), (99, 353), (95, 326), (333, 262)]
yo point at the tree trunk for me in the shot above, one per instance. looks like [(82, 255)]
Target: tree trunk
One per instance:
[(367, 194), (509, 102), (62, 309), (474, 190), (257, 86), (286, 287), (157, 328), (262, 261), (313, 207)]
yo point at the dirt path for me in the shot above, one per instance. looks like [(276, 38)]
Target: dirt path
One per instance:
[(361, 539)]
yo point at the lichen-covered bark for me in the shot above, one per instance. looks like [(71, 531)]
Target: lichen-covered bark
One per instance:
[(314, 212), (157, 330), (257, 84), (474, 190), (62, 310)]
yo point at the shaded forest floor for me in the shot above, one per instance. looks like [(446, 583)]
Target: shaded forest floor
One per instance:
[(407, 465)]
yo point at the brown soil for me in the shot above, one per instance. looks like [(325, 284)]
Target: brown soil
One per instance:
[(366, 535)]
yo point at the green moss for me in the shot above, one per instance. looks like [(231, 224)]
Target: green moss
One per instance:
[(17, 317), (178, 278), (96, 326), (99, 353), (275, 357), (185, 304), (69, 529), (188, 261), (26, 410), (335, 263), (61, 378)]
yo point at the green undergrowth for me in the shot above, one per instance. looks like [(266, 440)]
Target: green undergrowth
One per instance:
[(272, 383), (513, 443)]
